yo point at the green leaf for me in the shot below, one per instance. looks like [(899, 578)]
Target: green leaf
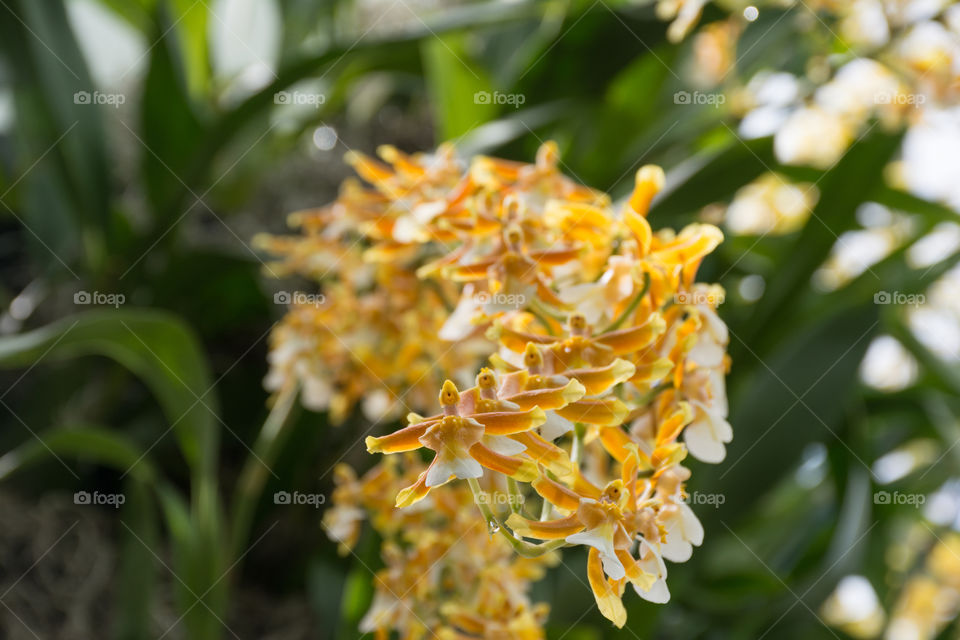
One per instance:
[(789, 398), (135, 12), (137, 579), (170, 128), (62, 183), (191, 20), (158, 347), (461, 92), (834, 213), (85, 443)]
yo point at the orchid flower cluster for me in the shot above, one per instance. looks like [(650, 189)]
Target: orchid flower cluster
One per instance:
[(577, 364)]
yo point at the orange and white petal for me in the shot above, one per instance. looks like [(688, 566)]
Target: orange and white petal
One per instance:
[(544, 529), (635, 573), (707, 435), (521, 469), (554, 427), (633, 339), (651, 372), (648, 182), (414, 493), (501, 423), (600, 379), (406, 439), (515, 340), (513, 382), (547, 399), (600, 411), (374, 172), (585, 488), (601, 539), (469, 272), (504, 445), (554, 257), (556, 494), (670, 427), (450, 462), (552, 457), (616, 441), (651, 562), (608, 600), (459, 324), (683, 531)]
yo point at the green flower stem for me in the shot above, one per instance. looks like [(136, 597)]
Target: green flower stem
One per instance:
[(631, 307), (516, 498), (545, 510), (576, 449), (542, 315), (253, 477), (524, 548)]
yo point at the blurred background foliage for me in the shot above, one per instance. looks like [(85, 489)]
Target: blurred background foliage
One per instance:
[(152, 186)]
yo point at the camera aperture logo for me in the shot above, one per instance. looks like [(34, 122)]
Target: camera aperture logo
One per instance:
[(99, 298), (699, 298), (314, 100), (109, 99), (897, 297), (314, 500), (299, 298), (714, 499), (898, 98), (501, 300), (699, 97), (885, 497), (498, 499), (512, 99), (97, 498)]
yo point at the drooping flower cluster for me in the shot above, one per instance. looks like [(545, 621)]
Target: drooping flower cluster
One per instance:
[(605, 367), (444, 574)]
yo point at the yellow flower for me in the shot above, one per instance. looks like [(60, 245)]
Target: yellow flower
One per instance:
[(438, 265)]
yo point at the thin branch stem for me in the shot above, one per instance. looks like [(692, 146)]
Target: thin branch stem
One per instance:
[(631, 307), (524, 548)]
